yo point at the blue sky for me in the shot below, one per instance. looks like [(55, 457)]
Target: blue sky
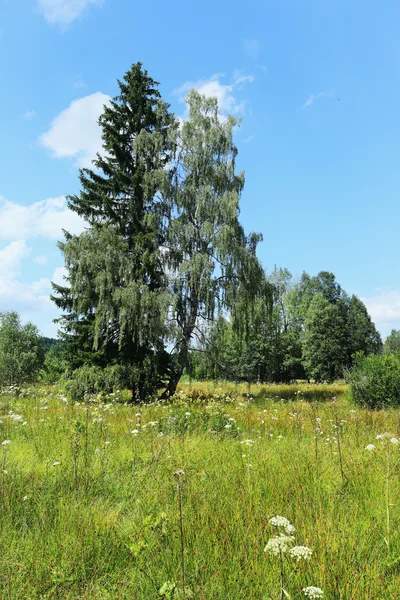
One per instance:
[(316, 82)]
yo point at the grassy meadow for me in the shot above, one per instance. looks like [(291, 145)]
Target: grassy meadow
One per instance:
[(101, 500)]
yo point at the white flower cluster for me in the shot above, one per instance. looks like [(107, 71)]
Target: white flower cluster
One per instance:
[(313, 592), (301, 553), (370, 447), (388, 436), (279, 544), (283, 522)]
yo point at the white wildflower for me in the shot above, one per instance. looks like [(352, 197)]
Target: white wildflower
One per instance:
[(5, 443), (370, 447), (56, 463), (279, 521), (313, 592), (135, 431), (279, 544), (301, 552), (384, 436), (394, 440)]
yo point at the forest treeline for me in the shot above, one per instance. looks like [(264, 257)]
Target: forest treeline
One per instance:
[(164, 279), (312, 330)]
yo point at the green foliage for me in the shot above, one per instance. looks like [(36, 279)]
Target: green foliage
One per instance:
[(55, 364), (116, 300), (90, 380), (310, 329), (375, 381), (324, 350), (211, 262), (21, 353), (392, 342)]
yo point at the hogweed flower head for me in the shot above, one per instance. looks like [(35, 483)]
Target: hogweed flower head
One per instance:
[(5, 443), (301, 553), (394, 440), (283, 522), (384, 436), (370, 447), (279, 544), (313, 592)]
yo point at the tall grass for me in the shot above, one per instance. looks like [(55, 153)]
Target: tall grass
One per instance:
[(91, 508)]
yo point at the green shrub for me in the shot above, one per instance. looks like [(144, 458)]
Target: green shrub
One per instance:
[(375, 381), (91, 379)]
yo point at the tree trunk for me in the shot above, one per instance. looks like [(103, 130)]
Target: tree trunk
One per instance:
[(172, 383)]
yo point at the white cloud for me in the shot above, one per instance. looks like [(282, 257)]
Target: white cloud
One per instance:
[(15, 295), (252, 48), (75, 133), (212, 87), (30, 114), (63, 12), (59, 275), (40, 219), (311, 99), (249, 139), (384, 309), (11, 257)]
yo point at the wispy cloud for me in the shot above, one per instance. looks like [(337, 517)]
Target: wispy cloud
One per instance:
[(252, 48), (63, 12), (79, 83), (30, 114), (311, 99), (75, 132), (249, 139)]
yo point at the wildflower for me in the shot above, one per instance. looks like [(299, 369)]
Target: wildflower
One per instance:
[(107, 443), (384, 436), (394, 440), (56, 463), (313, 592), (247, 442), (179, 473), (279, 521), (25, 498), (5, 443), (279, 544), (301, 552), (187, 414), (370, 447)]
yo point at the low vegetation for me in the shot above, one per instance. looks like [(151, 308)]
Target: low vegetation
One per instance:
[(100, 500)]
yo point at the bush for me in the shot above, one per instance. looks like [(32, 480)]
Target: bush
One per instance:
[(91, 379), (375, 381)]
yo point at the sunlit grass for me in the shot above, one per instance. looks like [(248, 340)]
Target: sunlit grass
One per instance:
[(89, 501)]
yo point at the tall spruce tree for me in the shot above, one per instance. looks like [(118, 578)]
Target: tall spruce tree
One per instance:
[(116, 296), (212, 263)]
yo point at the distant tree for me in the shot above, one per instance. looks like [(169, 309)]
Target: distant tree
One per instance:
[(362, 334), (212, 263), (21, 354), (324, 340), (116, 296), (392, 342)]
